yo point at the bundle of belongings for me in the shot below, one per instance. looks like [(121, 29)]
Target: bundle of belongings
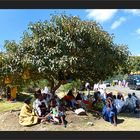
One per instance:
[(80, 111)]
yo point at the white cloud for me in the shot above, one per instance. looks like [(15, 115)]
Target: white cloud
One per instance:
[(101, 15), (118, 22), (136, 54), (138, 31), (133, 11)]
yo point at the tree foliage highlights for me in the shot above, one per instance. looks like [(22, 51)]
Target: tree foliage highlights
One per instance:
[(135, 63), (64, 49)]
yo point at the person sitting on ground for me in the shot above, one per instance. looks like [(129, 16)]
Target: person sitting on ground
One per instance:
[(110, 94), (98, 103), (136, 99), (79, 99), (47, 97), (27, 116), (119, 104), (133, 94), (40, 105), (79, 96), (130, 103), (120, 96), (56, 100), (110, 112), (96, 96), (114, 99), (70, 100), (57, 113), (86, 103)]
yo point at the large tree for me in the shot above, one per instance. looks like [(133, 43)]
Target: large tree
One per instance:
[(65, 48)]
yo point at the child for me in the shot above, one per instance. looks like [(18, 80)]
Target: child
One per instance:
[(57, 113)]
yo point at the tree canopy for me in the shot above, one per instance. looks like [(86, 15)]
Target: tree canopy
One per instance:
[(64, 49), (135, 63)]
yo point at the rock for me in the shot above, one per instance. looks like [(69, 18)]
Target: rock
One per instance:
[(90, 124), (70, 122), (86, 118)]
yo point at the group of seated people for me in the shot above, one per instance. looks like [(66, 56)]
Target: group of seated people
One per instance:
[(46, 107), (107, 103), (51, 108), (117, 104)]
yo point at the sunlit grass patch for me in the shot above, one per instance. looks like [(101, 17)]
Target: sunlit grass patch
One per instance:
[(7, 106)]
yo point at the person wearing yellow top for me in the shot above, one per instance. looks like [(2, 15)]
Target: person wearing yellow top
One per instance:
[(27, 116), (14, 92)]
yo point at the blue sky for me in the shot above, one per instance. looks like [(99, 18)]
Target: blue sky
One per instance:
[(123, 23)]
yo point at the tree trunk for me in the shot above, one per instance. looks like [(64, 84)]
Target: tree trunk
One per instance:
[(54, 88), (1, 90)]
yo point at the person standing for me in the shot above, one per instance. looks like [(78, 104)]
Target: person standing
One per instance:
[(87, 86)]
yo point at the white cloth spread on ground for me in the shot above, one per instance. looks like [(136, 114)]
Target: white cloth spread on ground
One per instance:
[(80, 111)]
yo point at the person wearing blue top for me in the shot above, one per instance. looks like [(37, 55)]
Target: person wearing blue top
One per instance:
[(110, 112)]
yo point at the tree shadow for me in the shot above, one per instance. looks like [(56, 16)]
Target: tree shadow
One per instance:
[(130, 114), (119, 121)]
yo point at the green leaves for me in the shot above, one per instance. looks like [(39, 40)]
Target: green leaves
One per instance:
[(68, 44), (134, 63)]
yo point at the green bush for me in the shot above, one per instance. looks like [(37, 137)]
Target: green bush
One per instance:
[(74, 84)]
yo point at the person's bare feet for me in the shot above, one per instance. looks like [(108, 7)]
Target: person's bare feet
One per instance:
[(115, 124)]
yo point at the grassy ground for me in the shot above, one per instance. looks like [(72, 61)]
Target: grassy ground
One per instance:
[(6, 106)]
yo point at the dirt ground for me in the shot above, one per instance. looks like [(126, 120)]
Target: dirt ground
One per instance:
[(126, 122)]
